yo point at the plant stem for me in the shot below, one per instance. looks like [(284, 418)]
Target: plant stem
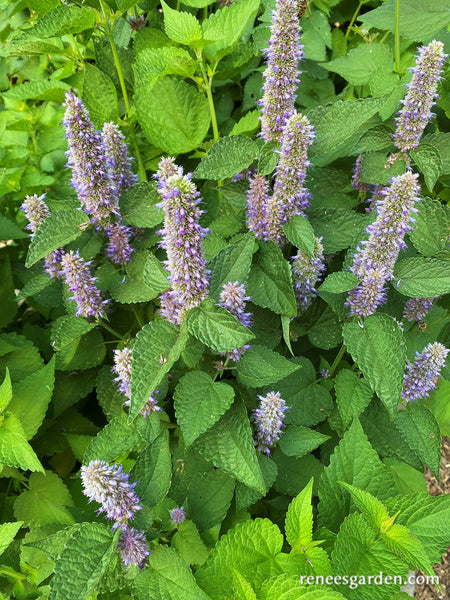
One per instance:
[(355, 14), (77, 50), (338, 359), (397, 36), (111, 330), (212, 110)]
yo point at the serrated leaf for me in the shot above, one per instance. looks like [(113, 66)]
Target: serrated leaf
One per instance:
[(66, 329), (38, 90), (338, 228), (102, 107), (353, 394), (8, 532), (154, 275), (270, 281), (379, 350), (299, 232), (356, 462), (229, 446), (55, 231), (82, 562), (62, 20), (173, 114), (376, 170), (289, 587), (268, 159), (250, 548), (429, 161), (5, 391), (402, 542), (216, 327), (241, 588), (28, 45), (299, 520), (371, 507), (153, 471), (260, 366), (132, 288), (180, 26), (430, 232), (169, 578), (9, 230), (138, 205), (248, 124), (199, 402), (19, 355), (231, 264), (341, 281), (44, 502), (35, 285), (189, 545), (422, 277), (158, 346), (361, 62), (227, 157), (298, 441), (421, 432), (15, 451)]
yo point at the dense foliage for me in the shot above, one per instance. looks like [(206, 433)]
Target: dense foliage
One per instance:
[(224, 297)]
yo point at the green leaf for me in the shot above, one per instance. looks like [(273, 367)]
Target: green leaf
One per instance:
[(402, 542), (82, 562), (116, 438), (432, 16), (199, 402), (55, 231), (294, 473), (229, 446), (153, 471), (430, 232), (216, 327), (270, 281), (44, 502), (260, 366), (299, 232), (132, 288), (153, 63), (8, 532), (298, 441), (227, 157), (19, 356), (288, 587), (379, 349), (15, 451), (138, 205), (371, 507), (38, 90), (189, 545), (422, 277), (31, 398), (158, 346), (268, 159), (225, 27), (66, 329), (249, 548), (336, 123), (5, 391), (168, 578), (231, 264), (63, 20), (299, 520), (375, 168), (102, 107), (241, 588), (361, 62), (28, 45), (34, 286), (339, 282), (356, 462), (421, 432), (182, 27), (338, 228), (429, 161), (9, 230), (353, 394), (173, 115), (248, 124)]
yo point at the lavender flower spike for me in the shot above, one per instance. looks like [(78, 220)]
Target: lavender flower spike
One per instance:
[(421, 95), (117, 159), (269, 420), (233, 298), (119, 249), (86, 158), (417, 308), (306, 273), (133, 547), (177, 515), (290, 196), (109, 486), (356, 179), (375, 258), (182, 239), (77, 276), (257, 202), (281, 75), (423, 376)]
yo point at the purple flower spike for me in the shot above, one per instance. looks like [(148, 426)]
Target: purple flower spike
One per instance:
[(356, 179), (417, 308), (421, 96), (133, 547), (118, 248), (281, 76), (423, 376), (87, 159), (306, 273), (257, 202), (36, 211), (117, 159), (269, 421), (233, 298), (177, 515), (375, 258), (290, 196), (77, 276), (109, 486), (182, 239)]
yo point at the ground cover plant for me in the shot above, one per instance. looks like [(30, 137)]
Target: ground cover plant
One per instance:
[(224, 297)]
